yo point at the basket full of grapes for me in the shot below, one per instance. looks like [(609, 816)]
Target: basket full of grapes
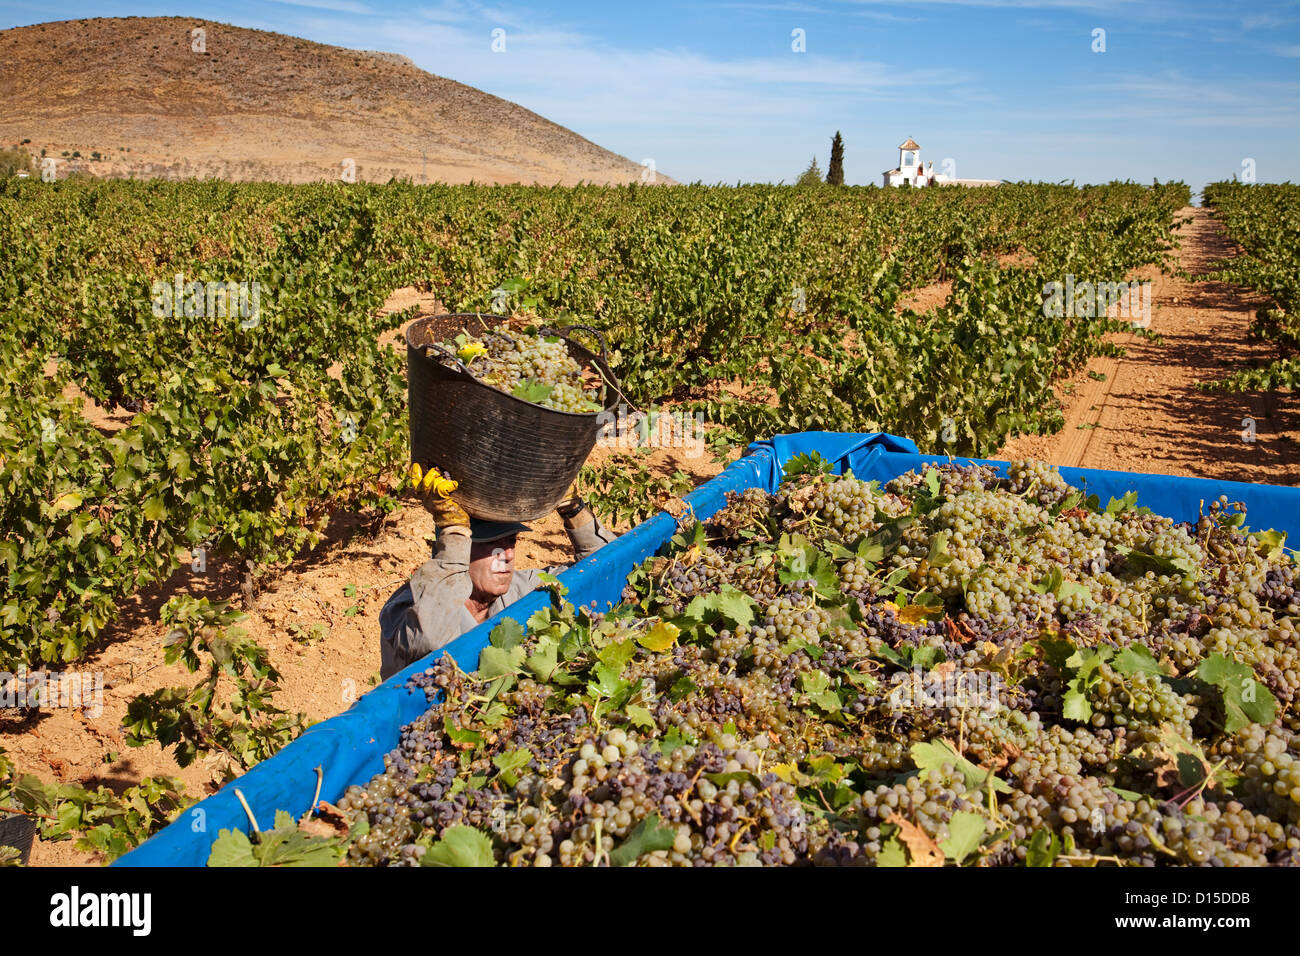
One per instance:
[(510, 413)]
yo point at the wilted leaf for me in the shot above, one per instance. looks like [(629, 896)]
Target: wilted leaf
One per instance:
[(921, 848), (660, 637)]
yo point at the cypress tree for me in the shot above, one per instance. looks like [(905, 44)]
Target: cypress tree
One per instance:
[(835, 172)]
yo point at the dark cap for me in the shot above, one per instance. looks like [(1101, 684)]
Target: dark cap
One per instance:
[(480, 530)]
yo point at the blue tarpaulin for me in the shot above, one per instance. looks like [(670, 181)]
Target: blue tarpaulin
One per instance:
[(350, 747)]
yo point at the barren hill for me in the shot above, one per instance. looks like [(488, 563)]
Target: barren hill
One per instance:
[(150, 97)]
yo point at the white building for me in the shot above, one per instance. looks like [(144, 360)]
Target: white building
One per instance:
[(909, 171)]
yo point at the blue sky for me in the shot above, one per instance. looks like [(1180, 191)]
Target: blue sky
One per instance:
[(714, 91)]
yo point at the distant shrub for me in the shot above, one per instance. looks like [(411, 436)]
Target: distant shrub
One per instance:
[(812, 176), (15, 161)]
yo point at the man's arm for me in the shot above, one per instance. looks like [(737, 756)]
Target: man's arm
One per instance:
[(586, 532), (429, 611), (589, 536)]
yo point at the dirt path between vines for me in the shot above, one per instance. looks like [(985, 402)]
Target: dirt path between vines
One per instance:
[(1143, 412)]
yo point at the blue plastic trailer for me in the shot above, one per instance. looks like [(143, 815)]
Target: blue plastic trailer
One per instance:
[(350, 747)]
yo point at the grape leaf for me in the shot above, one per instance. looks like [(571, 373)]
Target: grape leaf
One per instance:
[(892, 853), (640, 716), (617, 655), (673, 740), (826, 769), (1245, 698), (919, 613), (1192, 766), (733, 605), (806, 464), (1075, 704), (463, 738), (931, 755), (1270, 543), (289, 846), (507, 634), (544, 659), (510, 761), (1136, 659), (881, 544), (891, 655), (1043, 848), (741, 776), (926, 656), (932, 481), (531, 391), (965, 834), (1070, 588), (624, 693), (606, 681), (286, 845), (71, 500), (460, 846), (648, 836), (497, 662), (1119, 505), (1068, 503), (864, 682), (1085, 662), (939, 555), (1141, 562), (660, 637), (803, 561), (799, 644), (791, 774), (1127, 794), (681, 688), (1056, 651), (816, 685), (232, 848), (1051, 583)]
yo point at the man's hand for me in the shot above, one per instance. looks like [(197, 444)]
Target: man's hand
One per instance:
[(434, 489), (573, 509)]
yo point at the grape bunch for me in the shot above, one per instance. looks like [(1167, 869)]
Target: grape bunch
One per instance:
[(957, 668), (536, 368), (1119, 700)]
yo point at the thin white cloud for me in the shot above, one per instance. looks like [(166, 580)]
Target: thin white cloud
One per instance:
[(1002, 4), (564, 75), (449, 12), (1248, 96), (775, 7), (337, 6), (1262, 21)]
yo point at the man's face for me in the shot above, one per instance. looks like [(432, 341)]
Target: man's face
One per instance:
[(492, 566)]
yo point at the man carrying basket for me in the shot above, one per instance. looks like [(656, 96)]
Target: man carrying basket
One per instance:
[(471, 575)]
